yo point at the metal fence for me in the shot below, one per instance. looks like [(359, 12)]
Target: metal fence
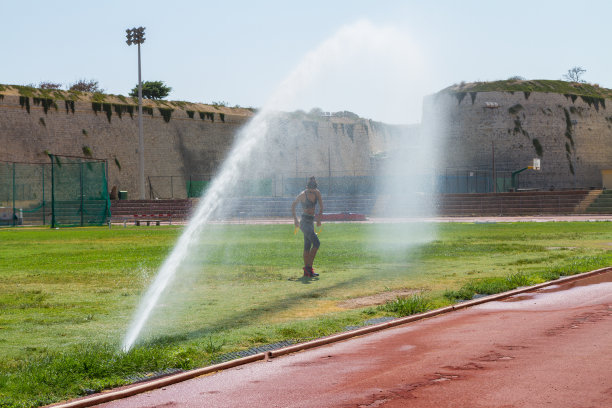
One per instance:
[(449, 181), (67, 191)]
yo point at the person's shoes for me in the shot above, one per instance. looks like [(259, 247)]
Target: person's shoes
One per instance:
[(307, 273), (312, 272)]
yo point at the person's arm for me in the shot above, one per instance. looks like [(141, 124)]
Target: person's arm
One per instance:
[(295, 220), (320, 208)]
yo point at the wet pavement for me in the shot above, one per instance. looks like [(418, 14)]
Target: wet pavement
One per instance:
[(549, 347)]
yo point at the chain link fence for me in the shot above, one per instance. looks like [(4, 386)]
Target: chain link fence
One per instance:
[(66, 191), (448, 181)]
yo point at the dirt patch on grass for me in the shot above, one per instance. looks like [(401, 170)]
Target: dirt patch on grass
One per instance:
[(378, 299)]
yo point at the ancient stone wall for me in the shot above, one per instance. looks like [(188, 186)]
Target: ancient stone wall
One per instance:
[(189, 144), (571, 135)]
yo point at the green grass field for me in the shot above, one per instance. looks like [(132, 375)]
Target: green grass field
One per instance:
[(67, 296)]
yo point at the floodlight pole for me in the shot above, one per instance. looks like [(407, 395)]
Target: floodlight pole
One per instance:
[(136, 36), (140, 134)]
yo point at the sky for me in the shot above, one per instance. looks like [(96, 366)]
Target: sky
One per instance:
[(376, 59)]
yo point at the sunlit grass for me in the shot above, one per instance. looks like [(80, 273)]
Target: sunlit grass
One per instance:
[(67, 296)]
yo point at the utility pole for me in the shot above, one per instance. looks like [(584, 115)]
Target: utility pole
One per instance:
[(494, 175), (136, 36)]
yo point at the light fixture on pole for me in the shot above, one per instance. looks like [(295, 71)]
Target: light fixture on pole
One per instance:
[(136, 36)]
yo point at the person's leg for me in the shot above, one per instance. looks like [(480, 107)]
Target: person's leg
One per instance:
[(311, 255), (306, 226), (310, 242), (313, 251)]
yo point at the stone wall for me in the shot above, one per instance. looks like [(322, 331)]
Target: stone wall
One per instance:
[(572, 135), (188, 145)]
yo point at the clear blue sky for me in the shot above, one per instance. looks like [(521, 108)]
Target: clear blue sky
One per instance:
[(240, 52)]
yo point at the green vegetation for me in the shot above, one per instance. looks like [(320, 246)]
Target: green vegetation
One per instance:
[(166, 113), (108, 109), (207, 115), (569, 89), (538, 147), (24, 101), (67, 295), (45, 102), (515, 109), (69, 106), (407, 305), (89, 91), (152, 90), (219, 104)]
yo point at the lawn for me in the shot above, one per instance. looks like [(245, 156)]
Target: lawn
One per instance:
[(67, 295)]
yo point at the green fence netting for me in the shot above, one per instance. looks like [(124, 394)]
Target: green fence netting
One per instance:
[(66, 191)]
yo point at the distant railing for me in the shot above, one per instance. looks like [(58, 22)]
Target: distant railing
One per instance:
[(448, 181)]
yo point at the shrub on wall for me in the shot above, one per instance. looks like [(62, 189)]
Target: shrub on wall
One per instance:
[(24, 101), (69, 106), (514, 109), (538, 147), (46, 103), (166, 113)]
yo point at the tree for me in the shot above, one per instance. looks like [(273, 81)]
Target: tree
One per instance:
[(575, 74), (152, 90), (84, 85), (49, 85)]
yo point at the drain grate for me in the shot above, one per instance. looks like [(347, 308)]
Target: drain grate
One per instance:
[(140, 377), (370, 322), (137, 378), (252, 351)]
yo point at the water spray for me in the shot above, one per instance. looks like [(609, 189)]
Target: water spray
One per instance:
[(357, 41)]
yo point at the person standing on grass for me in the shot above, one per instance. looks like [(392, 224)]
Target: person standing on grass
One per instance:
[(309, 199)]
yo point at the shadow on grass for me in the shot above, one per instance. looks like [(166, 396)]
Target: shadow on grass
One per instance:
[(243, 319)]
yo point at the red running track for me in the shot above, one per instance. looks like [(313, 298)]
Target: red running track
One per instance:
[(547, 348)]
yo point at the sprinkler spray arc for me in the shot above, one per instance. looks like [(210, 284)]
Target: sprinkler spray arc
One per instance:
[(350, 41)]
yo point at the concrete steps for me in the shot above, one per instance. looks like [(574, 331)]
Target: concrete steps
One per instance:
[(602, 204)]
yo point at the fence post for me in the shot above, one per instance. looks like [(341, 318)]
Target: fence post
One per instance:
[(14, 188), (42, 167), (82, 194), (52, 192)]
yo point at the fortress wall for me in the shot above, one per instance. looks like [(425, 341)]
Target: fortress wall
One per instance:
[(185, 146), (575, 135), (177, 148)]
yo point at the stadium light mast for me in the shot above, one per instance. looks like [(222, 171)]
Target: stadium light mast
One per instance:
[(136, 36)]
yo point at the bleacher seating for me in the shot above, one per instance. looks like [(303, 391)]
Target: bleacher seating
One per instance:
[(515, 203), (133, 210), (488, 204)]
